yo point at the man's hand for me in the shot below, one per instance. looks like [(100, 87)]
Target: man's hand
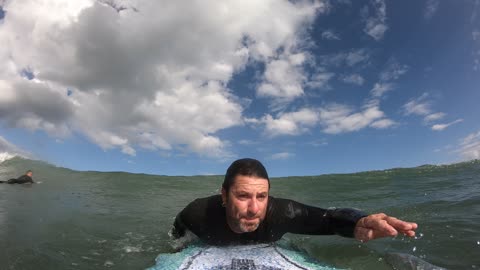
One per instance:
[(380, 225)]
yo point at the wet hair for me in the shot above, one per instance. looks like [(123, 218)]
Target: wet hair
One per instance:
[(29, 171), (246, 167)]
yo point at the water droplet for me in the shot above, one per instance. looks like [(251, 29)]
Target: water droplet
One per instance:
[(380, 259), (414, 249)]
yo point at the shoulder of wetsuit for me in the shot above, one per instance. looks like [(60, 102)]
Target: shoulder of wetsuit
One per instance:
[(195, 216)]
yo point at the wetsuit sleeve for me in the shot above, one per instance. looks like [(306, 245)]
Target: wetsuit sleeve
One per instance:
[(24, 179), (303, 219), (190, 218)]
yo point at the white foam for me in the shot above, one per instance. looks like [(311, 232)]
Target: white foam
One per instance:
[(130, 249), (6, 156)]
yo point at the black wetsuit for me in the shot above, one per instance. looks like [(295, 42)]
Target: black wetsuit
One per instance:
[(206, 218), (20, 180)]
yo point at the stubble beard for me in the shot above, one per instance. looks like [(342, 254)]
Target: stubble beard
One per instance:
[(248, 227), (242, 226)]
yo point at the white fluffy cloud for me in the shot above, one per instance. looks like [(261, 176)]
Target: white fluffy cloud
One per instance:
[(393, 71), (337, 118), (383, 123), (434, 117), (354, 79), (282, 156), (293, 123), (419, 106), (375, 21), (381, 88), (129, 74), (284, 78), (349, 58), (440, 127), (330, 35), (333, 119), (470, 146)]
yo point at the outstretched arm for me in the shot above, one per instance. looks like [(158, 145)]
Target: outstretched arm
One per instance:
[(380, 225)]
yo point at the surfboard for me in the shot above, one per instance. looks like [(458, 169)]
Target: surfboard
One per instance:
[(245, 257)]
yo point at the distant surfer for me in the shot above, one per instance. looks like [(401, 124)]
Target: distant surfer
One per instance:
[(245, 213), (26, 178)]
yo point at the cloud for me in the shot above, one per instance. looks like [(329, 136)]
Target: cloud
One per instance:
[(418, 106), (380, 88), (349, 58), (383, 123), (393, 71), (283, 78), (354, 79), (246, 142), (318, 143), (292, 123), (431, 8), (434, 116), (476, 50), (469, 147), (440, 127), (332, 118), (337, 118), (421, 106), (475, 9), (320, 80), (476, 35), (282, 156), (375, 25), (330, 35), (163, 88)]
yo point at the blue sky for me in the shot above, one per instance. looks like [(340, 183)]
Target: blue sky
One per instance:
[(182, 88)]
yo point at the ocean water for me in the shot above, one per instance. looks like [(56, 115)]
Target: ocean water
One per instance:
[(116, 220)]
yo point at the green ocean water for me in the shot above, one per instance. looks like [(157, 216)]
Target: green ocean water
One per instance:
[(96, 220)]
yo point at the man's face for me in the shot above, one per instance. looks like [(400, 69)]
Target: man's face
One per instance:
[(29, 174), (246, 203)]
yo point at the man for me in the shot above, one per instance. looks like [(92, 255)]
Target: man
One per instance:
[(26, 178), (245, 213)]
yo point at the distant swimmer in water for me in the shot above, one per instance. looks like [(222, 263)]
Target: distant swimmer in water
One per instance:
[(24, 179)]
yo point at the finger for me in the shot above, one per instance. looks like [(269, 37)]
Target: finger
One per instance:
[(372, 220), (408, 233), (363, 234), (400, 224), (386, 231)]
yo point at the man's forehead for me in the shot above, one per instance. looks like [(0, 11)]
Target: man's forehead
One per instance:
[(250, 183)]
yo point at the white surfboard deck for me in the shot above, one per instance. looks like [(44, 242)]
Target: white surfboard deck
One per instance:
[(245, 257)]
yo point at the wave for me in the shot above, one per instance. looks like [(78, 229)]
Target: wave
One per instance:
[(6, 156)]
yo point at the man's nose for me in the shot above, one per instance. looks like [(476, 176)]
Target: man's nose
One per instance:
[(253, 206)]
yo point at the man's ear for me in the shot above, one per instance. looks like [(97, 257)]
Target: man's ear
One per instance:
[(224, 196)]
